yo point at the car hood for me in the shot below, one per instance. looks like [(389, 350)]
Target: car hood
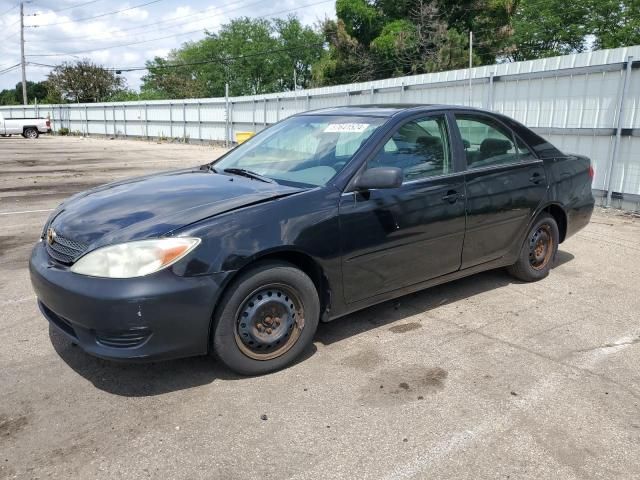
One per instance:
[(156, 205)]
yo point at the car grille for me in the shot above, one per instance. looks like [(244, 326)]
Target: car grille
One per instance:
[(65, 250)]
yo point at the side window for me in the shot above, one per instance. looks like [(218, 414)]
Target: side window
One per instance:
[(488, 143), (419, 147)]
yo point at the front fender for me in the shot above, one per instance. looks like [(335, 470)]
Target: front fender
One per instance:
[(305, 223)]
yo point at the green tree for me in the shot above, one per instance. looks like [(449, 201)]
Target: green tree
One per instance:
[(362, 20), (252, 55), (453, 53), (83, 82), (346, 61), (242, 48), (545, 28), (166, 78), (35, 91), (299, 47), (381, 38), (8, 97), (614, 23), (132, 96)]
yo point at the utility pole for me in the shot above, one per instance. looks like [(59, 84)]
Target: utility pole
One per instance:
[(470, 64), (227, 136), (24, 71)]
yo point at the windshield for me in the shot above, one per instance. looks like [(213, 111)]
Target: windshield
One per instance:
[(302, 151)]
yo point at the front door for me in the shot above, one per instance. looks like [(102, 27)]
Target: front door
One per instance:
[(505, 183), (393, 238)]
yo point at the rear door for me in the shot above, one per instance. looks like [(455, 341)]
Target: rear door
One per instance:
[(13, 126), (393, 238), (505, 183)]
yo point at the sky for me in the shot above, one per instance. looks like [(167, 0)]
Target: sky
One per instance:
[(62, 30)]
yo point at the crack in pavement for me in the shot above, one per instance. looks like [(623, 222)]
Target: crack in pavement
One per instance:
[(621, 343)]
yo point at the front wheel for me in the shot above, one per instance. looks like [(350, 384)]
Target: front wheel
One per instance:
[(266, 319), (538, 250), (31, 133)]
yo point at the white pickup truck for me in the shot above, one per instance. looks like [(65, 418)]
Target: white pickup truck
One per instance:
[(27, 127)]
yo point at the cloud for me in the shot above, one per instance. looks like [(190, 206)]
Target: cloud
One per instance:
[(57, 29)]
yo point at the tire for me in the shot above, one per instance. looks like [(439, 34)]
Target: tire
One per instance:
[(31, 133), (538, 251), (266, 319)]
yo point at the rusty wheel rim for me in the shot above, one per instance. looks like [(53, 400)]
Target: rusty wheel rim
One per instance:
[(269, 322), (541, 247)]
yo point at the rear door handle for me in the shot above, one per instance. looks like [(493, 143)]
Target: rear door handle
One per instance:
[(452, 196), (536, 178)]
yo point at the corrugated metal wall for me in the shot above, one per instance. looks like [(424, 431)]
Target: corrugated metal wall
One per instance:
[(573, 100)]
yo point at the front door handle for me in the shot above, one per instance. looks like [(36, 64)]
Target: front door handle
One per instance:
[(535, 178), (452, 196)]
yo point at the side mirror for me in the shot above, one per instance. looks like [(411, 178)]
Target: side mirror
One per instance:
[(380, 177)]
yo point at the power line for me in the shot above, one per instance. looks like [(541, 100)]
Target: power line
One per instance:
[(96, 16), (4, 65), (220, 59), (7, 70), (160, 38), (222, 11), (8, 10), (10, 36), (36, 64), (75, 6), (201, 62), (113, 46), (14, 23), (201, 17)]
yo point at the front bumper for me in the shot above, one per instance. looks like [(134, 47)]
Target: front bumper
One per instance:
[(158, 316)]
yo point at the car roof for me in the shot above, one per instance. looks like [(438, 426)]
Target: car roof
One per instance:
[(384, 110), (373, 110)]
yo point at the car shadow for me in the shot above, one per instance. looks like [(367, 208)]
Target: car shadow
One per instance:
[(129, 379), (432, 298), (156, 378)]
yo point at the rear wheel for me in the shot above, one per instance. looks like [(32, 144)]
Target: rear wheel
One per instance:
[(266, 319), (31, 133), (538, 251)]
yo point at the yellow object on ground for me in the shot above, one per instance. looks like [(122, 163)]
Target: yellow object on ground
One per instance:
[(242, 137)]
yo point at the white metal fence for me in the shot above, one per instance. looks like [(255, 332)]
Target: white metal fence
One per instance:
[(586, 103)]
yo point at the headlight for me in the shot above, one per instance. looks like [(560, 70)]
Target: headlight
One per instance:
[(134, 259)]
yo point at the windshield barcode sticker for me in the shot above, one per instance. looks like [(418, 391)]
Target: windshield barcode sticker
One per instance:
[(346, 127)]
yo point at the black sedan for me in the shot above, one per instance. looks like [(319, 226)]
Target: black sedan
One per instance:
[(322, 214)]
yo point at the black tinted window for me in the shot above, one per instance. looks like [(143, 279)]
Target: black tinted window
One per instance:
[(540, 146), (419, 147), (487, 142)]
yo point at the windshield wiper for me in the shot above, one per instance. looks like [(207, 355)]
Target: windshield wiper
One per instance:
[(249, 174)]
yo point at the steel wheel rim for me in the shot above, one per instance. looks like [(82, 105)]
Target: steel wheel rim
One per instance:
[(269, 322), (541, 247)]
